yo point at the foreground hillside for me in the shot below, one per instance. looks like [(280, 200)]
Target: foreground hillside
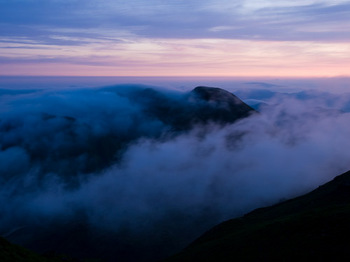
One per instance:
[(313, 227), (13, 253)]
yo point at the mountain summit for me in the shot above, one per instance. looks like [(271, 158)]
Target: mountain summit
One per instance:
[(200, 106), (216, 94), (220, 105)]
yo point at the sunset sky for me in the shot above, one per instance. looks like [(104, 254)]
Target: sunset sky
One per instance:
[(299, 38)]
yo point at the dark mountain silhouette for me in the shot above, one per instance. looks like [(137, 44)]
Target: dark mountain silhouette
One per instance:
[(313, 227), (199, 107), (262, 84), (219, 105), (14, 253)]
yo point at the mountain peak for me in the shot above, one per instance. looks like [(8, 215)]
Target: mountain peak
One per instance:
[(216, 94), (219, 105)]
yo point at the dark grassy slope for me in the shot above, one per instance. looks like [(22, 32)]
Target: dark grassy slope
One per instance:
[(9, 252), (13, 253), (313, 227)]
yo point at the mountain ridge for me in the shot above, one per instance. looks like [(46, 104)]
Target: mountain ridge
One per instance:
[(313, 226)]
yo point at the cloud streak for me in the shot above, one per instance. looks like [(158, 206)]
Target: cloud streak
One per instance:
[(206, 57), (113, 32), (157, 18)]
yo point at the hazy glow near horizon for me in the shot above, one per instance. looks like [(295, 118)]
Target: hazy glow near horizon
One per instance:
[(177, 38)]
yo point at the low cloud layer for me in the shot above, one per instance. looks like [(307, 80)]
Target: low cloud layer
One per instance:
[(148, 183)]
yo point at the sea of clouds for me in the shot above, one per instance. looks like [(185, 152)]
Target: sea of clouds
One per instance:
[(103, 157)]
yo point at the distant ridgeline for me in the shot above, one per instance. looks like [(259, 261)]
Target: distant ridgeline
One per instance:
[(81, 142), (313, 227)]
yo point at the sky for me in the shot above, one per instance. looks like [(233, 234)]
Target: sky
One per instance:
[(308, 38)]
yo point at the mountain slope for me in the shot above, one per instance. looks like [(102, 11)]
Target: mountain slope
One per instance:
[(219, 105), (314, 227), (198, 107), (13, 253)]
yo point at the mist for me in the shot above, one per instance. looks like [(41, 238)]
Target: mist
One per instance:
[(111, 159)]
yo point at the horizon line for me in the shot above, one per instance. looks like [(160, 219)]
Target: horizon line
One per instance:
[(181, 76)]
